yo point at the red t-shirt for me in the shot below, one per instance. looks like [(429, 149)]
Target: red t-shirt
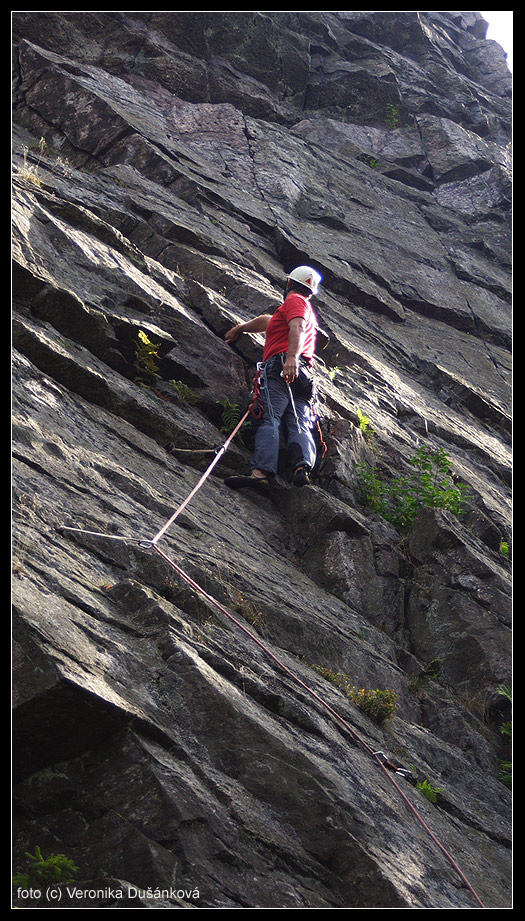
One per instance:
[(277, 331)]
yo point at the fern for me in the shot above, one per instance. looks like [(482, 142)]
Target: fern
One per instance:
[(231, 415)]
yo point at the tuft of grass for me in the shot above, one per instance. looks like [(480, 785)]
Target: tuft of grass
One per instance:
[(30, 171), (379, 705), (505, 766), (250, 612)]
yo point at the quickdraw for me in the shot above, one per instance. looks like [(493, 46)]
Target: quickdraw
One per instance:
[(402, 772), (256, 407)]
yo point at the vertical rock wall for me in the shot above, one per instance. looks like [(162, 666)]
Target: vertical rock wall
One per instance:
[(169, 169)]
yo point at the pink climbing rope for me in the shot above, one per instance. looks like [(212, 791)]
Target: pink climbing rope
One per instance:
[(255, 639)]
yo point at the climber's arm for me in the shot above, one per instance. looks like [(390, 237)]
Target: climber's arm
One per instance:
[(257, 325)]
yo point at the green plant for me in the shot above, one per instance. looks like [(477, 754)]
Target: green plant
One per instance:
[(146, 355), (185, 392), (369, 160), (506, 728), (505, 773), (392, 116), (428, 790), (378, 705), (341, 681), (57, 868), (364, 422), (231, 415), (429, 486)]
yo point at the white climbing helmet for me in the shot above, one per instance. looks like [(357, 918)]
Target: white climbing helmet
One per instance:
[(306, 276)]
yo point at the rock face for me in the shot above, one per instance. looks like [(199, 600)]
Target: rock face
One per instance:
[(170, 168)]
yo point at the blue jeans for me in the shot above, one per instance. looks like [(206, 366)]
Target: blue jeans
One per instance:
[(284, 414)]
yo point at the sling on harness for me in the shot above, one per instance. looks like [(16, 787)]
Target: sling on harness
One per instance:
[(256, 407)]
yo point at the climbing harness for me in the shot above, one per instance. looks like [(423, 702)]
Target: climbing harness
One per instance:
[(258, 407), (379, 757)]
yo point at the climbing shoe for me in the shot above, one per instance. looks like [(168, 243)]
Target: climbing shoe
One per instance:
[(301, 477), (251, 481)]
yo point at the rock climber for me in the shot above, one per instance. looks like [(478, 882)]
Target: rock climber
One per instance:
[(285, 383)]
